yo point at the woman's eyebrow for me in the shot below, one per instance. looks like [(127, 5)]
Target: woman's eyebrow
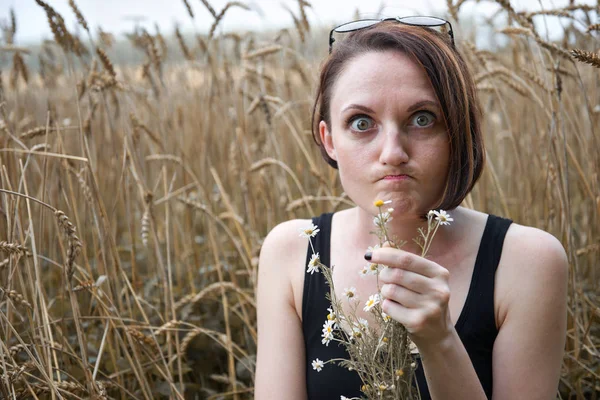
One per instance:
[(422, 103), (358, 107)]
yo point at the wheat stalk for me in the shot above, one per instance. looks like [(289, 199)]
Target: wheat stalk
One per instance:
[(263, 51), (73, 242), (13, 248), (184, 49), (144, 340), (106, 63), (188, 8), (58, 27), (79, 15), (220, 16), (587, 57), (16, 297), (210, 9)]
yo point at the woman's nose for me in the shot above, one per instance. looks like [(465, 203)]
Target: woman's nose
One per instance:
[(393, 148)]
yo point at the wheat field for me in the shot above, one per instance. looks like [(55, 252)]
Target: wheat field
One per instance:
[(134, 198)]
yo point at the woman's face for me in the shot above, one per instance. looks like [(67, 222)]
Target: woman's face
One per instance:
[(388, 134)]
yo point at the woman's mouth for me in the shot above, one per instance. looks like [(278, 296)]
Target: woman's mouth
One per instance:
[(395, 177)]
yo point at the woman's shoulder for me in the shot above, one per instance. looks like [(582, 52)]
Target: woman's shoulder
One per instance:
[(532, 261), (284, 247), (286, 236), (282, 260)]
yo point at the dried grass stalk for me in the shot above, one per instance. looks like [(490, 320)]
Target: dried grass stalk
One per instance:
[(13, 248), (16, 297), (73, 242), (220, 16), (184, 49), (58, 27), (210, 9), (144, 340), (35, 132), (586, 57), (516, 30), (19, 69), (593, 27), (106, 63), (263, 51), (79, 15), (188, 8)]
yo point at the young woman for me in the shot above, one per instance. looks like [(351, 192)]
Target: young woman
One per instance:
[(396, 113)]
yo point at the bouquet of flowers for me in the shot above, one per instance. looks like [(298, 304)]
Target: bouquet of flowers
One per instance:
[(380, 354)]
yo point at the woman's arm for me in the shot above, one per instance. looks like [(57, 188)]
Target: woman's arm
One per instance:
[(417, 294), (280, 362), (531, 298), (533, 284)]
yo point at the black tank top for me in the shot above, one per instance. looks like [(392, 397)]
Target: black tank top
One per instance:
[(476, 325)]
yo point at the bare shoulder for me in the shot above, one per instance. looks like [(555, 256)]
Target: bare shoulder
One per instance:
[(280, 360), (282, 258), (533, 261), (531, 293), (284, 242)]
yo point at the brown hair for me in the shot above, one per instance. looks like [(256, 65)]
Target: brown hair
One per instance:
[(451, 81)]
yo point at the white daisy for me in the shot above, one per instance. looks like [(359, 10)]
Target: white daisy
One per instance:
[(373, 248), (382, 219), (430, 214), (350, 292), (318, 365), (372, 268), (443, 217), (313, 264), (364, 271), (372, 302), (311, 231), (327, 335), (332, 317)]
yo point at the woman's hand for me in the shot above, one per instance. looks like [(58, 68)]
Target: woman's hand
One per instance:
[(416, 293)]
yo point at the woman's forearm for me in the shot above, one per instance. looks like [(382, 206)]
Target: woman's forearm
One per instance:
[(449, 371)]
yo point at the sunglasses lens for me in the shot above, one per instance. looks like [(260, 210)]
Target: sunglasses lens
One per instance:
[(422, 21), (352, 26)]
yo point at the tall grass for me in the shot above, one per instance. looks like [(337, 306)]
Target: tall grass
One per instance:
[(134, 199)]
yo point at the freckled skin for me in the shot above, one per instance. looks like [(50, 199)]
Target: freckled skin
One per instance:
[(388, 83)]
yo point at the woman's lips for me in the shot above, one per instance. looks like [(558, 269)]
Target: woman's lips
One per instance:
[(395, 177)]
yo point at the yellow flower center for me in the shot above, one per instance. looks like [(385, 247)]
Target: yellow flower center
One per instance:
[(378, 203)]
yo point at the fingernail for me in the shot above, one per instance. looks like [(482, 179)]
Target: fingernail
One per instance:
[(368, 255)]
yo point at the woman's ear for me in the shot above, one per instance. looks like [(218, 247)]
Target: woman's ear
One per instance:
[(327, 140)]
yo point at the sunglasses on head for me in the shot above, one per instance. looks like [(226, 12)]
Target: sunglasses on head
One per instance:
[(425, 21)]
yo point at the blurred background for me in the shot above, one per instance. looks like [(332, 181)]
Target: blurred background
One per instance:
[(148, 147)]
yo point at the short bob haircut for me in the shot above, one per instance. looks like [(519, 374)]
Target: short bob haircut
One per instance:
[(451, 80)]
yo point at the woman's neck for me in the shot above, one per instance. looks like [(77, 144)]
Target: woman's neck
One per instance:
[(404, 229)]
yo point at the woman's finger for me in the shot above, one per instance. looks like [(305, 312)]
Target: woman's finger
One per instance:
[(410, 280), (409, 317), (397, 258), (402, 295)]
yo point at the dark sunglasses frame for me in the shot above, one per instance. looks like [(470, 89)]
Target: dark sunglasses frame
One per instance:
[(426, 21)]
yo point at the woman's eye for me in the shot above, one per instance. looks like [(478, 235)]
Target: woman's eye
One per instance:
[(361, 124), (423, 119)]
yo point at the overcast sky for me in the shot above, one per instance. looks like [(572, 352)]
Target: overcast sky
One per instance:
[(116, 16)]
